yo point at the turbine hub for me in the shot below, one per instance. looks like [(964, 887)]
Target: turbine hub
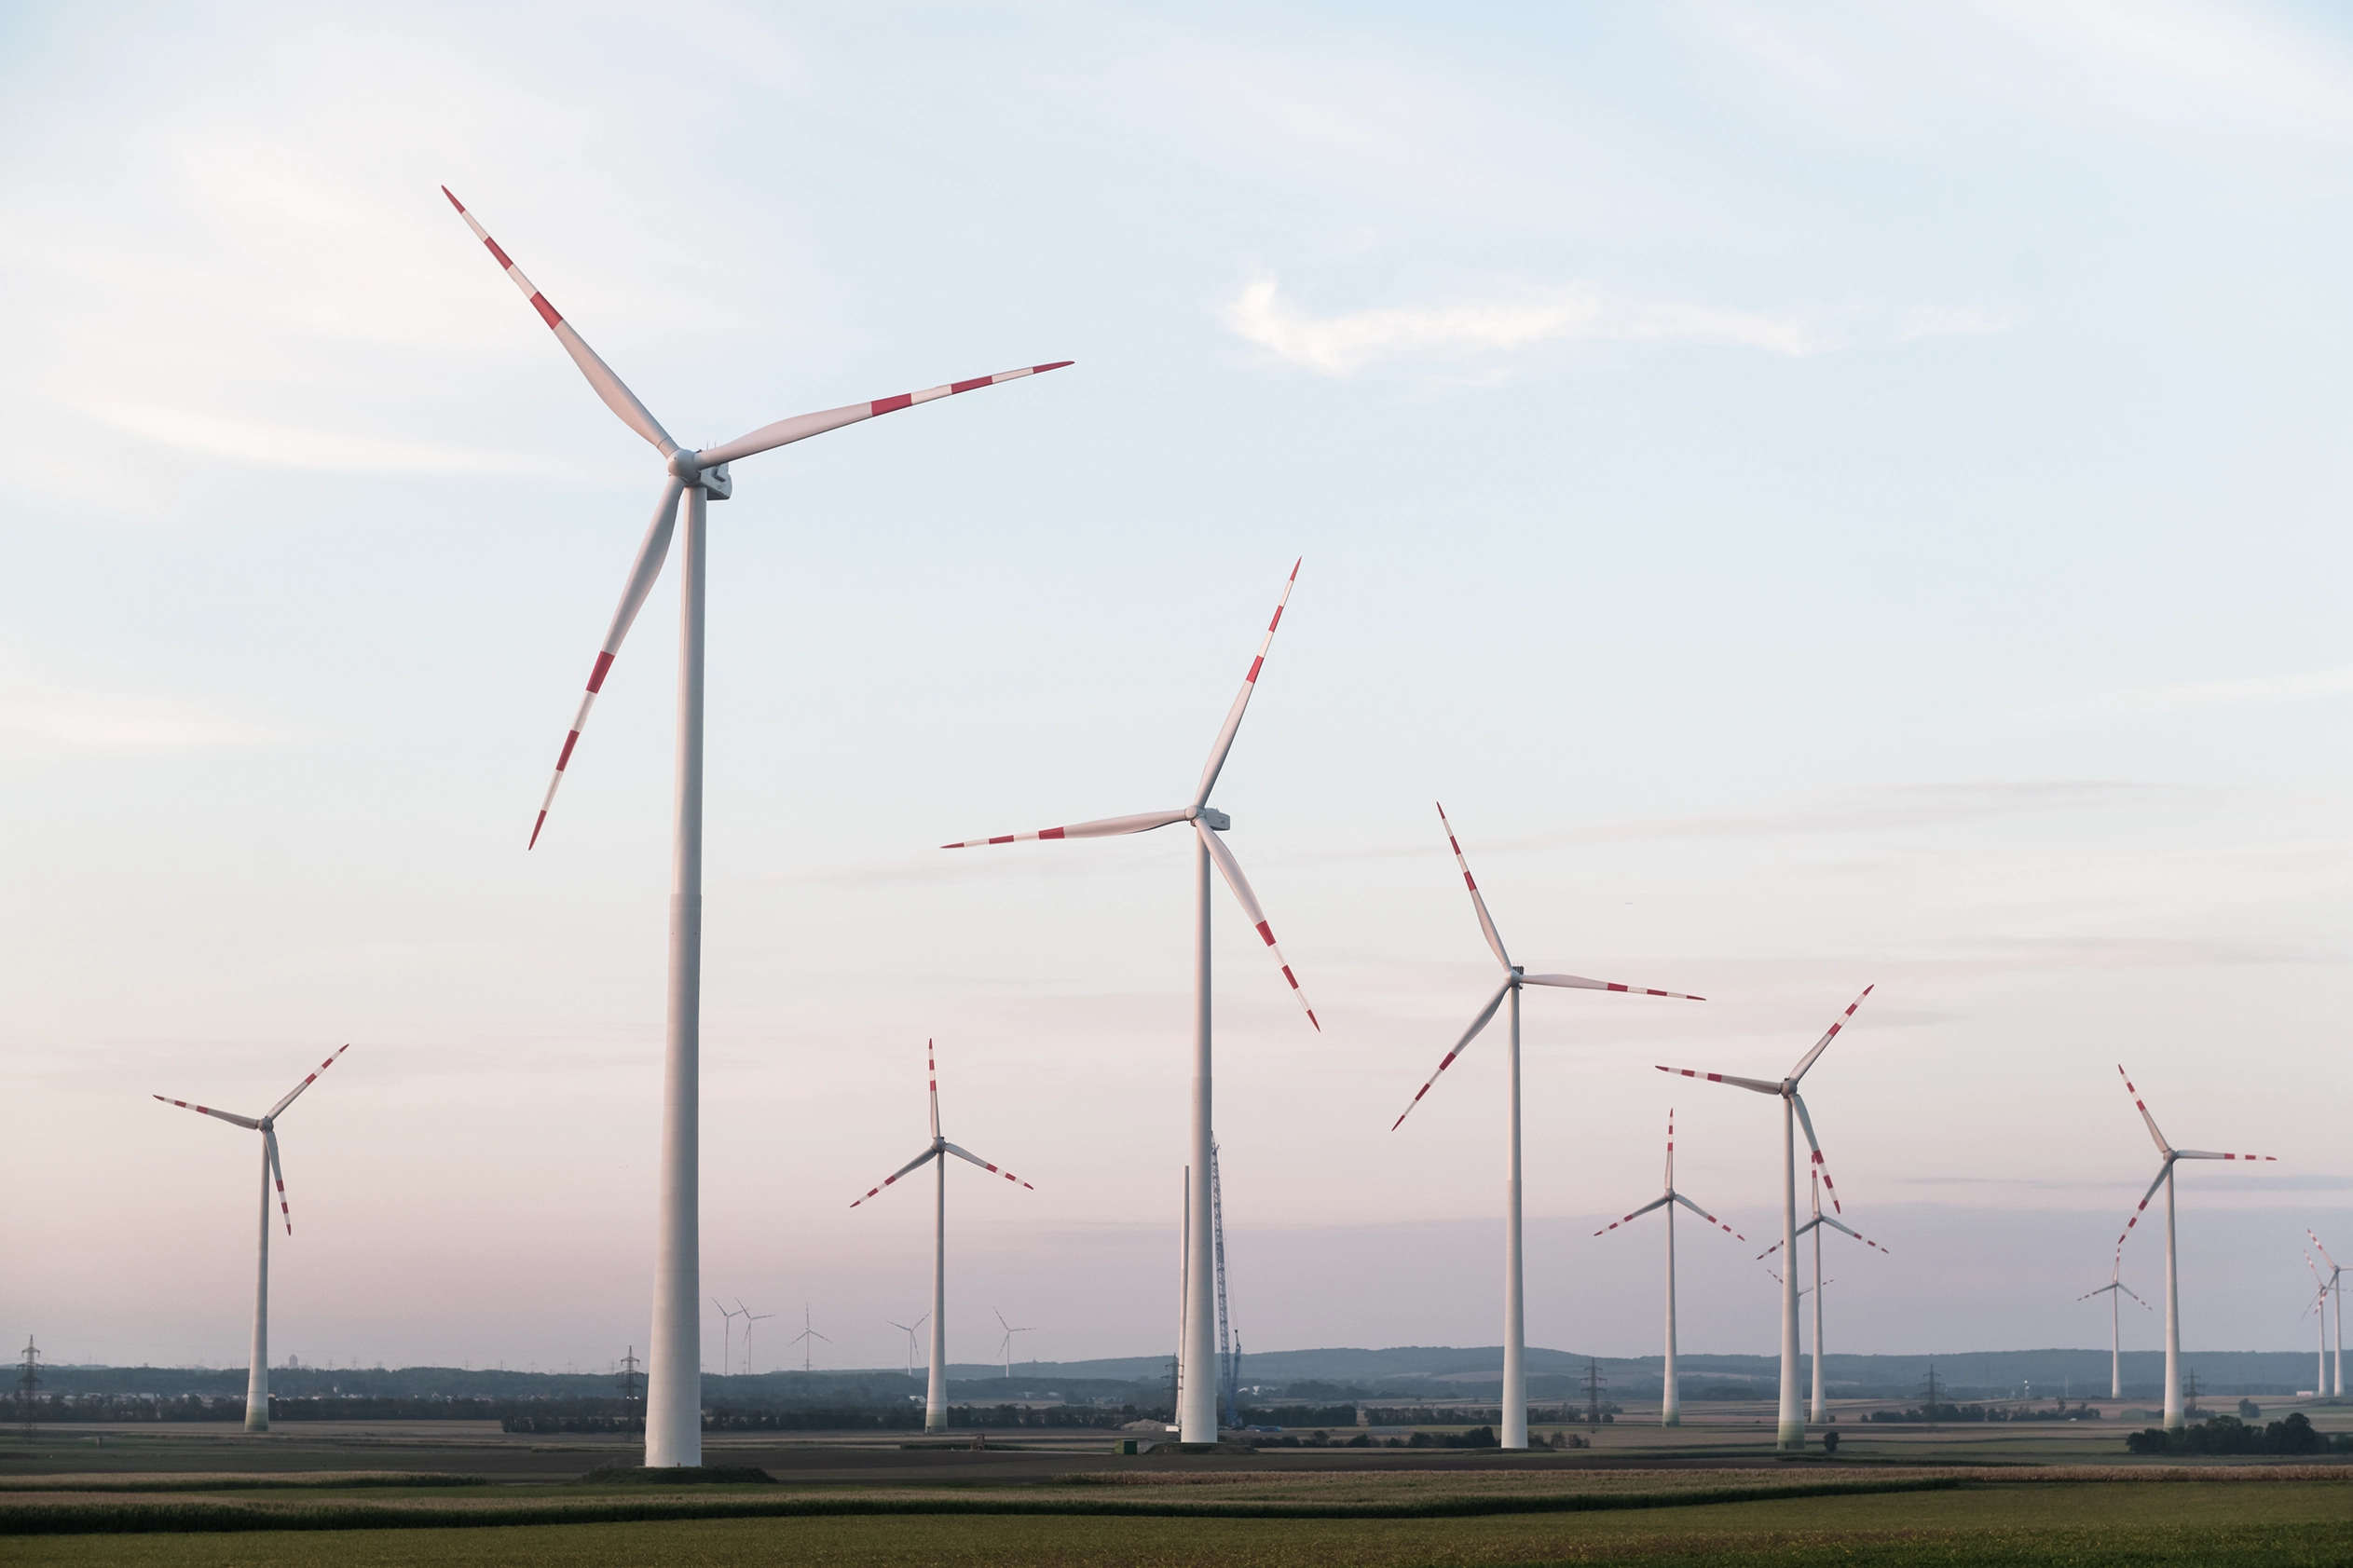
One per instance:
[(686, 465)]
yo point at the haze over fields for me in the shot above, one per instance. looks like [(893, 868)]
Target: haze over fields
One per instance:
[(1843, 499)]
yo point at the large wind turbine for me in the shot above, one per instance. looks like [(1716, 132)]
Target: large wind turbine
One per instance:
[(257, 1366), (1792, 1427), (936, 1398), (2174, 1420), (1514, 1316), (1671, 1405), (1819, 1410), (1197, 1414), (2113, 1289), (673, 1422), (2337, 1296)]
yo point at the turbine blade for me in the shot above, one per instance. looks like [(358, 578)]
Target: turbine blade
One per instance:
[(2323, 1251), (2202, 1155), (968, 1154), (1102, 827), (1577, 982), (1486, 1015), (1824, 1043), (652, 552), (923, 1158), (1856, 1234), (277, 1174), (1224, 742), (248, 1123), (1249, 901), (2130, 1291), (1807, 1122), (1479, 904), (1756, 1084), (617, 396), (2164, 1165), (2156, 1137), (1654, 1203), (930, 1065), (1710, 1218), (784, 433), (313, 1078)]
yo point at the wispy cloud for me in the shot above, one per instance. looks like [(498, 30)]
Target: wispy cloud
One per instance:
[(293, 446)]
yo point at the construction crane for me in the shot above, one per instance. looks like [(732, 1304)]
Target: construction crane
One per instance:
[(1229, 1356)]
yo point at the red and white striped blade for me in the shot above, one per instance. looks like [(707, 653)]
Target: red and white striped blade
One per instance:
[(1578, 983), (652, 552), (1478, 903), (1856, 1234), (1224, 742), (1257, 916), (1756, 1084), (248, 1123), (1832, 1033), (922, 1159), (931, 1066), (617, 396), (2156, 1137), (1102, 827), (801, 427), (2165, 1165), (2205, 1154), (277, 1174), (307, 1082), (1670, 1149), (968, 1154), (1709, 1218), (1798, 1104), (2321, 1250), (1486, 1015), (2128, 1290), (1767, 1253), (1654, 1203)]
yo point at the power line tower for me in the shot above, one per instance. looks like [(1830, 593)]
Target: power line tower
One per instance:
[(2189, 1380), (28, 1380), (1932, 1393), (631, 1381), (1229, 1359), (1594, 1384)]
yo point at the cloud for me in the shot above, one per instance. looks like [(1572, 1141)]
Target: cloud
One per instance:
[(1341, 344), (256, 441)]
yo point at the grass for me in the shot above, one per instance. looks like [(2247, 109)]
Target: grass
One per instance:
[(2089, 1524)]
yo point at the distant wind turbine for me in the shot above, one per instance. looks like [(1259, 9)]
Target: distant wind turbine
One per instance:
[(673, 1422), (2319, 1309), (258, 1363), (909, 1330), (1514, 977), (1197, 1413), (2174, 1418), (1006, 1349), (2336, 1295), (807, 1338), (2113, 1289), (1671, 1407), (748, 1320), (727, 1337), (1792, 1427), (936, 1398), (1820, 1405)]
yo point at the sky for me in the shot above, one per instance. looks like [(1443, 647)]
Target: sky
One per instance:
[(1836, 497)]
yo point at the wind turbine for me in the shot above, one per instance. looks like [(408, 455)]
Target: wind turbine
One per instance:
[(1514, 1314), (748, 1320), (1671, 1405), (1792, 1427), (2319, 1309), (2337, 1296), (807, 1338), (258, 1367), (673, 1422), (1197, 1416), (1819, 1410), (727, 1340), (909, 1330), (2174, 1419), (935, 1395), (1006, 1349), (2115, 1287)]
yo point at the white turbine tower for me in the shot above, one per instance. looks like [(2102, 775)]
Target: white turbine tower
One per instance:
[(2174, 1419), (1671, 1405), (2336, 1297), (1819, 1410), (1006, 1348), (909, 1330), (807, 1339), (1514, 1314), (257, 1366), (1197, 1416), (1792, 1427), (727, 1336), (674, 1424), (935, 1399), (2113, 1289), (2319, 1310), (749, 1318)]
